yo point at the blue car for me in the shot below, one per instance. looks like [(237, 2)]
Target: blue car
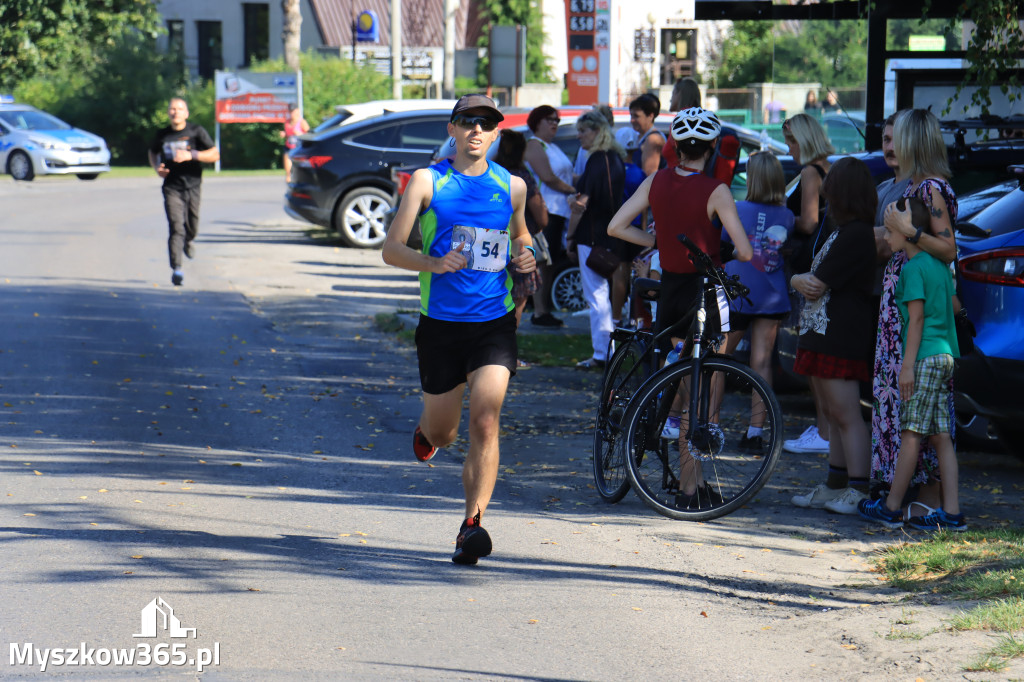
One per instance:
[(988, 381)]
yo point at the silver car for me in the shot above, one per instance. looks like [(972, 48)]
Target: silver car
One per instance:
[(32, 142)]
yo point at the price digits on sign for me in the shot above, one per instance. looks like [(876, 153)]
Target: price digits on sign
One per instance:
[(581, 6), (582, 24)]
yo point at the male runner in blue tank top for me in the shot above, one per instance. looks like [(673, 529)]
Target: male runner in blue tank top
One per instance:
[(472, 218)]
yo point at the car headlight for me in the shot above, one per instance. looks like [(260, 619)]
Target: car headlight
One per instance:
[(50, 144)]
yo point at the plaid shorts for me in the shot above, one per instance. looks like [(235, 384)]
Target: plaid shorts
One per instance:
[(927, 411)]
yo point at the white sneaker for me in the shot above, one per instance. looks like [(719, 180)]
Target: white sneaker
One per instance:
[(818, 497), (809, 441), (847, 502), (671, 430)]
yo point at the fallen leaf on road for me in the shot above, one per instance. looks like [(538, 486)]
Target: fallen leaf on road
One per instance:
[(704, 613)]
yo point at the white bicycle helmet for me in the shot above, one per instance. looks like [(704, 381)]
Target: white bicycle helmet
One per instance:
[(695, 124)]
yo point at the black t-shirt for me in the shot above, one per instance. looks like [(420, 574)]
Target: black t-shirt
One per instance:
[(187, 174), (844, 321), (602, 181)]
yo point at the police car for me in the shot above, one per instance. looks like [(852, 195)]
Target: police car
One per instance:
[(32, 142)]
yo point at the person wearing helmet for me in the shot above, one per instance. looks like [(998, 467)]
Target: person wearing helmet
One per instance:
[(684, 200)]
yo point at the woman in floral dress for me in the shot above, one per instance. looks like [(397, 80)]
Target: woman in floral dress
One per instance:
[(922, 155)]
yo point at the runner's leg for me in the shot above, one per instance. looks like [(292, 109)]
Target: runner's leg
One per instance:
[(487, 386)]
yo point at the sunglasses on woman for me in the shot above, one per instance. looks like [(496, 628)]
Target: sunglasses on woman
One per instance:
[(471, 122)]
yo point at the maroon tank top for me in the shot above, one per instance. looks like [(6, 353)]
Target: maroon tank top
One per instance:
[(680, 206)]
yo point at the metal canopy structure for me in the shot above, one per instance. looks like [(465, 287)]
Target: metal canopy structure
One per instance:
[(876, 13)]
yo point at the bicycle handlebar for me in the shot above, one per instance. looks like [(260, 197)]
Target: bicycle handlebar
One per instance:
[(734, 288)]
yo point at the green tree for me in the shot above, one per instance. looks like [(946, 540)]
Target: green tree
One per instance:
[(994, 49), (528, 14), (829, 52), (49, 35)]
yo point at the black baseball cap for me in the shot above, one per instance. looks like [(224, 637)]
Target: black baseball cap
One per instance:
[(477, 102)]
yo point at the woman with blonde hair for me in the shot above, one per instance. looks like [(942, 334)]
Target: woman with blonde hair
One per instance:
[(768, 224), (922, 156), (809, 146), (600, 196)]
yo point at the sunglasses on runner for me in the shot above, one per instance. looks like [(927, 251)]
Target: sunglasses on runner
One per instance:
[(471, 122)]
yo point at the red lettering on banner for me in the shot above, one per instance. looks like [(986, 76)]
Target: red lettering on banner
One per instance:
[(254, 108)]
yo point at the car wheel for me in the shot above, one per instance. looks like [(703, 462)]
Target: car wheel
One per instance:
[(20, 166), (360, 218), (567, 290), (87, 176)]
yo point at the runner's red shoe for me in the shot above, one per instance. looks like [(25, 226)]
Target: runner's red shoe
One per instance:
[(421, 446)]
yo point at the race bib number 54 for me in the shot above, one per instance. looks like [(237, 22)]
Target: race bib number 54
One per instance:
[(485, 249)]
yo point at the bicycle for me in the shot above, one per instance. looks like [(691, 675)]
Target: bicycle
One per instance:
[(628, 367), (713, 393)]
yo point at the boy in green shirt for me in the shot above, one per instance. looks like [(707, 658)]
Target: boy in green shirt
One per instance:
[(925, 298)]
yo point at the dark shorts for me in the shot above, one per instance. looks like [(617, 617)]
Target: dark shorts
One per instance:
[(739, 322), (678, 299), (449, 351)]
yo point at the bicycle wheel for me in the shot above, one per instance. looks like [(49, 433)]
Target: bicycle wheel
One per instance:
[(731, 397), (626, 371)]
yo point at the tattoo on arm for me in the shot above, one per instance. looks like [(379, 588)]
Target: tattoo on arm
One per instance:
[(936, 212), (944, 233)]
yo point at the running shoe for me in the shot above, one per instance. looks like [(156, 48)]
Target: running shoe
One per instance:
[(421, 446), (875, 510), (472, 542), (809, 441), (847, 502), (817, 497), (177, 277), (752, 446), (704, 496), (546, 320), (938, 520)]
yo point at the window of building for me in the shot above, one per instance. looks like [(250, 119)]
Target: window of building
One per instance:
[(176, 38), (211, 48), (257, 31)]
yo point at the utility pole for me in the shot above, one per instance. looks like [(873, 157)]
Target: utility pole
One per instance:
[(396, 49), (450, 8)]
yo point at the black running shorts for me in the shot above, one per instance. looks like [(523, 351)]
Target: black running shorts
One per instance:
[(449, 351)]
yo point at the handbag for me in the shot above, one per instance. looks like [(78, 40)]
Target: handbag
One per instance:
[(601, 260), (965, 332)]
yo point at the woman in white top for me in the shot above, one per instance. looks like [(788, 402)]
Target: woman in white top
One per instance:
[(554, 173)]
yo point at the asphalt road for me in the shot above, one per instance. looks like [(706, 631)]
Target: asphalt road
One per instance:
[(239, 448)]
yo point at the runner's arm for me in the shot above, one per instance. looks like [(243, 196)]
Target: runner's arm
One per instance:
[(395, 252)]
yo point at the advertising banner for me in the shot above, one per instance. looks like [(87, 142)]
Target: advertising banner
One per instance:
[(247, 97)]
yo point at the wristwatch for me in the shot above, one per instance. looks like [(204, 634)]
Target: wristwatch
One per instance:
[(917, 236)]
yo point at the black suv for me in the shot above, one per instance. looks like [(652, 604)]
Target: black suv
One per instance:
[(341, 178)]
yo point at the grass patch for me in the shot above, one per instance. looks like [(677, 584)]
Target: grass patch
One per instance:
[(391, 323), (985, 566), (554, 350)]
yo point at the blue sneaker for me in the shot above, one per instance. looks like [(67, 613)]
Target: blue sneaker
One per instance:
[(875, 510), (938, 520)]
